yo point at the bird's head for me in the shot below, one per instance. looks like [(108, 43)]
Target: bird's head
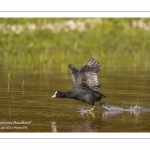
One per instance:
[(59, 94)]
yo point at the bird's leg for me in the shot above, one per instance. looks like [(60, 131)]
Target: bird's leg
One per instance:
[(92, 108)]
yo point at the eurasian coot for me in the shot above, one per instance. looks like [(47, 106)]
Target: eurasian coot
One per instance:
[(85, 84)]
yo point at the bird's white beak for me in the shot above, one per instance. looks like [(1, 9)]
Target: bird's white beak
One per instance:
[(54, 95)]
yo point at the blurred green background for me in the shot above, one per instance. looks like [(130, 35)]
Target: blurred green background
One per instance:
[(50, 44)]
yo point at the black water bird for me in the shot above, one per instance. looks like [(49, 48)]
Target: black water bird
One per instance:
[(85, 84)]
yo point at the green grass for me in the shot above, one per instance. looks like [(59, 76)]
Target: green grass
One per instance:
[(50, 44)]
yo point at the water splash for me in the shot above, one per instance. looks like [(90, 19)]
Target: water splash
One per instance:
[(135, 108), (115, 109), (82, 110), (109, 107)]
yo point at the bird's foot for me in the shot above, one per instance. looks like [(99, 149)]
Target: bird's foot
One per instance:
[(105, 105), (102, 103)]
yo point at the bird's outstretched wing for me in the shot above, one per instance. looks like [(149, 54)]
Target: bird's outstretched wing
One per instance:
[(74, 74), (87, 75)]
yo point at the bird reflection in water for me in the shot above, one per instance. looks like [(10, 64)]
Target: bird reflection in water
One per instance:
[(86, 112), (53, 126)]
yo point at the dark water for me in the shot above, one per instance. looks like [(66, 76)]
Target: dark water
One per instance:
[(26, 104)]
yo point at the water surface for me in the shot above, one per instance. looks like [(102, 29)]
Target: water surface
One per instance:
[(26, 104)]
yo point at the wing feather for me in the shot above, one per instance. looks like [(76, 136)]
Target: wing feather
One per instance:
[(74, 74), (87, 75)]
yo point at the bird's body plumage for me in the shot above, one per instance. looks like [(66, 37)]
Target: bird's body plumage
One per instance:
[(84, 95), (85, 84)]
